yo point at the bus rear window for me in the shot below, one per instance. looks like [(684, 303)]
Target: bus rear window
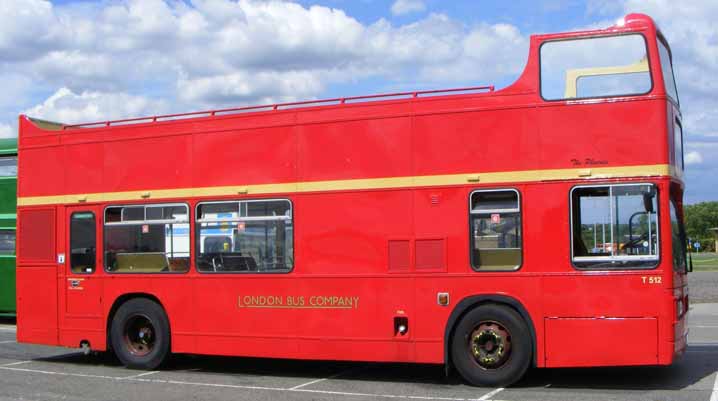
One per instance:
[(594, 67)]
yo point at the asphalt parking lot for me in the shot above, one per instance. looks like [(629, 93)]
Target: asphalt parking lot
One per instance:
[(30, 372)]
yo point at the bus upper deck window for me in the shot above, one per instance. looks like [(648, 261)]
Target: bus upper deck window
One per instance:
[(595, 67)]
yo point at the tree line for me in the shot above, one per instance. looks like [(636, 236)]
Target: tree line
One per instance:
[(700, 218)]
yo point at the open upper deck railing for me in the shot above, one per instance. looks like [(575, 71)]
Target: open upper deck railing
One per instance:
[(280, 106)]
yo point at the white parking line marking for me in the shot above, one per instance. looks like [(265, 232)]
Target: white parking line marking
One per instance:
[(714, 395), (15, 363), (233, 386), (8, 342), (47, 372), (310, 383), (140, 375), (490, 394), (8, 328), (394, 396), (703, 327), (322, 379)]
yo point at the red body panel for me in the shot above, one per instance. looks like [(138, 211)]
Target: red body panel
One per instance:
[(392, 241)]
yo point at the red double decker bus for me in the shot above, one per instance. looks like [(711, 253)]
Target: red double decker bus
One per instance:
[(538, 225)]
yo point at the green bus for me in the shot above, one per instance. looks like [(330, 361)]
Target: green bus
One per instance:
[(8, 204)]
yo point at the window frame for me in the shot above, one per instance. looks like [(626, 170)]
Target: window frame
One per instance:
[(521, 242), (659, 244), (105, 224), (196, 222), (662, 41), (564, 99), (677, 124), (673, 210), (70, 236)]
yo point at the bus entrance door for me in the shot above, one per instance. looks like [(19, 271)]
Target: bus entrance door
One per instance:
[(83, 286)]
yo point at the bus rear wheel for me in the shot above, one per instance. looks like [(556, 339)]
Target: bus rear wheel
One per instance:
[(140, 334), (491, 346)]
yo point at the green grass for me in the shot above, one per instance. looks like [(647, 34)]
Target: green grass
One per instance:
[(705, 261)]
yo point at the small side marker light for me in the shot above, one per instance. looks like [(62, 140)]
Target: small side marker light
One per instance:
[(442, 298)]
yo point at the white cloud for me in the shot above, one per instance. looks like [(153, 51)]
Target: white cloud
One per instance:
[(221, 52), (7, 131), (241, 88), (401, 7), (487, 53), (68, 107), (693, 158)]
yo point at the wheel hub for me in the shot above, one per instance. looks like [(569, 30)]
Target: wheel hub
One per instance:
[(490, 345), (139, 335)]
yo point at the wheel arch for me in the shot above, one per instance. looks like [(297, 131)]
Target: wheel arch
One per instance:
[(471, 302), (124, 298)]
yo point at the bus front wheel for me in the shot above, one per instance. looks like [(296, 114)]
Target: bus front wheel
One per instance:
[(140, 334), (491, 346)]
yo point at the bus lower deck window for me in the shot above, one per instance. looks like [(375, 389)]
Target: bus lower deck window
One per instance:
[(244, 236), (495, 223), (147, 239), (615, 226)]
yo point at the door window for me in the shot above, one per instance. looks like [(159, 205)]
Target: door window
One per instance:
[(82, 242)]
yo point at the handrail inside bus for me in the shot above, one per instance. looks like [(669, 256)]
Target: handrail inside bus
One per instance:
[(281, 106)]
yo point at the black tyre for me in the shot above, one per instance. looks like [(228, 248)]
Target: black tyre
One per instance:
[(491, 346), (140, 334)]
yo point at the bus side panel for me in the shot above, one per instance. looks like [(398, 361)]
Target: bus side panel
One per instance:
[(37, 305), (365, 331), (225, 328), (577, 135), (586, 313), (36, 277), (601, 341)]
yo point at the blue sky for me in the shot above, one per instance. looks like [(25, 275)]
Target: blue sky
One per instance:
[(79, 61)]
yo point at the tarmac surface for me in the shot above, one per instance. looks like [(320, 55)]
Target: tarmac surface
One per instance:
[(30, 372), (703, 287)]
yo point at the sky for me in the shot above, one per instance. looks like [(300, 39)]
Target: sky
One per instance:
[(82, 61)]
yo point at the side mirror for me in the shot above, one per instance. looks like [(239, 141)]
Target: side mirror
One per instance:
[(648, 202)]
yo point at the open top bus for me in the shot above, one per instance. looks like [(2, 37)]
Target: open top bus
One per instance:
[(489, 231)]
